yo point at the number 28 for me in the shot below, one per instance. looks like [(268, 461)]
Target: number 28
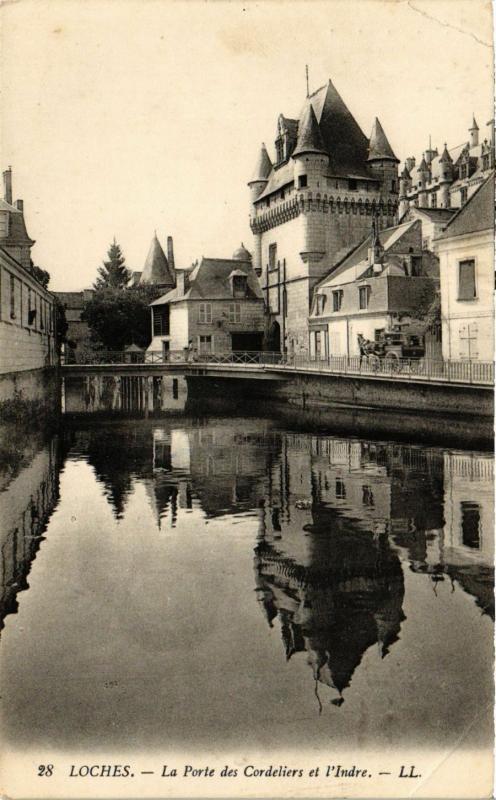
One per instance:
[(45, 770)]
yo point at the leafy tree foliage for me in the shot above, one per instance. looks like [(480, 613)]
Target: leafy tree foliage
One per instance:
[(120, 317), (61, 325), (114, 274), (41, 275)]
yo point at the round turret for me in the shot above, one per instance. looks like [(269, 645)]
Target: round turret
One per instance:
[(241, 254)]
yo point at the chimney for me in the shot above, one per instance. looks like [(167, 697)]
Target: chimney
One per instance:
[(19, 205), (170, 252), (7, 184), (180, 280)]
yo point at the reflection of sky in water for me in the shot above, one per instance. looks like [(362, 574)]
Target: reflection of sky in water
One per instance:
[(234, 582)]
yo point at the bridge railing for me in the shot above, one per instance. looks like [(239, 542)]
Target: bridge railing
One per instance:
[(468, 372)]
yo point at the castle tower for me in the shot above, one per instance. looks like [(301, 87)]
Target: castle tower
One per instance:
[(156, 271), (474, 133), (257, 184), (382, 160), (405, 186), (445, 177), (13, 234), (424, 175), (313, 203), (311, 164)]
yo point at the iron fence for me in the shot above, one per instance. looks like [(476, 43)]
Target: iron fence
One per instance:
[(466, 372)]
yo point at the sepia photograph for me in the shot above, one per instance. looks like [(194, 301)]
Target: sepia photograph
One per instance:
[(247, 399)]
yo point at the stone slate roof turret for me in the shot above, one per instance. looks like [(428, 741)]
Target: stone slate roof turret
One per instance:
[(309, 136), (445, 157), (241, 254), (379, 147), (156, 269), (263, 166)]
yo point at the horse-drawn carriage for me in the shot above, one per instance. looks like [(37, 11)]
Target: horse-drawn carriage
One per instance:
[(393, 349)]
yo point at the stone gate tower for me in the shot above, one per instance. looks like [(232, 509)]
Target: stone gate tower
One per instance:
[(313, 204)]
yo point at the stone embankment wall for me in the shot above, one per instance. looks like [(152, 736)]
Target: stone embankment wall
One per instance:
[(30, 395)]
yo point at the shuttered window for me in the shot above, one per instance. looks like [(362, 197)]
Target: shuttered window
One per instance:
[(466, 279)]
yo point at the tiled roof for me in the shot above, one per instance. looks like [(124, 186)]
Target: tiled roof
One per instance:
[(156, 269), (379, 146), (434, 214), (210, 281), (309, 136), (338, 133), (476, 215), (263, 166), (345, 142), (389, 236)]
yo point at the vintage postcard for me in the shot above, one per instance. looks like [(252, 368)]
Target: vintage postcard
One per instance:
[(246, 399)]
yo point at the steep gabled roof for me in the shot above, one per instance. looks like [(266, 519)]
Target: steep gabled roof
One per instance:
[(389, 237), (156, 269), (344, 140), (476, 215), (309, 136), (379, 147)]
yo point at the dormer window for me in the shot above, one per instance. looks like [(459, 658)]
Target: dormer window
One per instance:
[(279, 150), (320, 304), (239, 284)]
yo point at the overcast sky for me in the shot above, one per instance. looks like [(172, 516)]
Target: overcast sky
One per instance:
[(120, 117)]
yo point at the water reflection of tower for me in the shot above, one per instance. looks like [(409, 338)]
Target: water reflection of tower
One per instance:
[(27, 504), (332, 581)]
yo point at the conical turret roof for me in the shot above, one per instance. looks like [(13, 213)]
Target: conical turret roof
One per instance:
[(263, 166), (422, 167), (156, 269), (405, 173), (309, 136), (445, 157), (379, 146), (474, 127)]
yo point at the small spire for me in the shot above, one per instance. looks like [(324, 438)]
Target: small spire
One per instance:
[(445, 157), (474, 127), (379, 147), (308, 84), (263, 167), (309, 135)]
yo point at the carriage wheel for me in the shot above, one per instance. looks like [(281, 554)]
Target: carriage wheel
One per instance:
[(392, 362)]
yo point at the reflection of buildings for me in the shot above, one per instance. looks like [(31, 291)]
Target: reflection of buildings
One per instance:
[(338, 516), (26, 504)]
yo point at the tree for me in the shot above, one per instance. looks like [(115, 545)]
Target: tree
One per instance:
[(114, 274), (41, 275), (61, 325), (120, 317)]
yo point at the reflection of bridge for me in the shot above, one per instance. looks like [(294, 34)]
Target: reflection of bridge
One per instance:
[(277, 367)]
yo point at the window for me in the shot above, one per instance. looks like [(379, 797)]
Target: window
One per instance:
[(463, 194), (337, 299), (433, 200), (463, 171), (205, 343), (470, 513), (340, 489), (320, 304), (363, 297), (352, 184), (378, 334), (12, 297), (175, 388), (235, 312), (161, 321), (205, 313), (279, 150), (393, 186), (272, 256), (42, 309), (302, 181), (466, 279), (239, 285), (367, 496), (485, 162)]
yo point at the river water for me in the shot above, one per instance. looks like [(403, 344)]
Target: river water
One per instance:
[(234, 580)]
